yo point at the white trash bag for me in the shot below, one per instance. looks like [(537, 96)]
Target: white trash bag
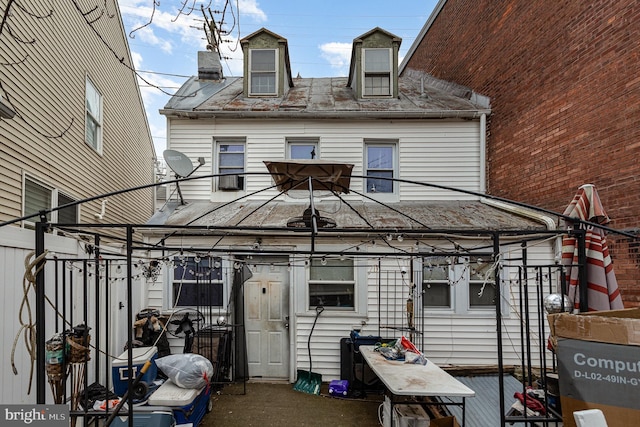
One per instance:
[(187, 370)]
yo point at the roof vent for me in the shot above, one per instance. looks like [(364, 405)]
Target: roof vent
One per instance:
[(209, 66)]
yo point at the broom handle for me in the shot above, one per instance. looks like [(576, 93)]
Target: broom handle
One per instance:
[(114, 414)]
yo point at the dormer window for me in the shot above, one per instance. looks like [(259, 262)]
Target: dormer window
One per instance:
[(373, 72), (376, 72), (263, 72), (267, 72)]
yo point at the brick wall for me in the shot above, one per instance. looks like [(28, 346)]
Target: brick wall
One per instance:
[(564, 82)]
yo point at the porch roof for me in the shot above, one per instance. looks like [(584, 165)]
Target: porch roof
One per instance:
[(436, 215)]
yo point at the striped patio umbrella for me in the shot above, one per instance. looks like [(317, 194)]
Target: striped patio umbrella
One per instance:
[(602, 286)]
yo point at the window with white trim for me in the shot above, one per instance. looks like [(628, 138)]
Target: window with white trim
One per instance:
[(263, 72), (482, 284), (376, 72), (332, 284), (39, 197), (197, 282), (230, 158), (380, 161), (460, 283), (93, 117), (436, 276), (302, 149)]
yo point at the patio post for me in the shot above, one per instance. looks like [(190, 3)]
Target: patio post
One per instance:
[(583, 287), (41, 367)]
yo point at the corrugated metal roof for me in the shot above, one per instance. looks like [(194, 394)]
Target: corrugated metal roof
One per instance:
[(420, 95), (194, 92), (444, 215), (483, 410)]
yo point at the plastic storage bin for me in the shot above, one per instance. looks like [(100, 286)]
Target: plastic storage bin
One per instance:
[(120, 368)]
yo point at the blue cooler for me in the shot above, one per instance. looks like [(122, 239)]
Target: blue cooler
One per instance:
[(120, 368), (189, 405)]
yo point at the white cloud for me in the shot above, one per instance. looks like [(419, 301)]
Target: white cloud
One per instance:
[(338, 55), (251, 9)]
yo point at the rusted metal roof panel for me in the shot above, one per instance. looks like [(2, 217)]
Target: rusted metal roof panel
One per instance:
[(457, 215), (418, 94)]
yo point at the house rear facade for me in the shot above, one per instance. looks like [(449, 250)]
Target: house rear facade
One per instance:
[(359, 194)]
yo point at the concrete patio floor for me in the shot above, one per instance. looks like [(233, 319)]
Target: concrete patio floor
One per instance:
[(277, 404)]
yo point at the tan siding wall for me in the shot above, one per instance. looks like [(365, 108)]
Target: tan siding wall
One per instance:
[(46, 86)]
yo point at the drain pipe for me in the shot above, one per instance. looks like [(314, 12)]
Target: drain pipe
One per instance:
[(314, 219)]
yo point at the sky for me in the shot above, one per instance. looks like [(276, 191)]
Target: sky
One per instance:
[(165, 40)]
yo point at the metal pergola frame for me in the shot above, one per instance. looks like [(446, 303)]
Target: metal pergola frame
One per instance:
[(312, 233)]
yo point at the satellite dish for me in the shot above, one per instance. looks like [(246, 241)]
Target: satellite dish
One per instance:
[(181, 165)]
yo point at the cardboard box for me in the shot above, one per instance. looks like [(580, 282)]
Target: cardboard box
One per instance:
[(599, 364)]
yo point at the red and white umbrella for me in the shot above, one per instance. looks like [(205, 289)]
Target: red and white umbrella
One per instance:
[(602, 287)]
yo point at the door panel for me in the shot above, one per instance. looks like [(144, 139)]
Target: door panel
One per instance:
[(266, 298)]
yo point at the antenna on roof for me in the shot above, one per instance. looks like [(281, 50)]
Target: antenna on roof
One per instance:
[(181, 166)]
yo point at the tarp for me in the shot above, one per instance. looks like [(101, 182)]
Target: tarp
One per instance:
[(602, 287)]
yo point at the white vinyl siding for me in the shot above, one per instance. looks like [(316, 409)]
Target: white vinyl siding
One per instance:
[(451, 338), (443, 152)]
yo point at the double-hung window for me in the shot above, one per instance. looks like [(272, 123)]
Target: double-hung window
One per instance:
[(231, 160), (302, 149), (482, 284), (436, 276), (332, 284), (377, 72), (263, 72), (197, 282), (39, 197), (464, 284), (380, 161), (93, 117)]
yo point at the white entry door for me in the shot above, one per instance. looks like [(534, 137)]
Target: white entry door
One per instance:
[(266, 306)]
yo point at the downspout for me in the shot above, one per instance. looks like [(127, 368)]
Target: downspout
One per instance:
[(483, 153)]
